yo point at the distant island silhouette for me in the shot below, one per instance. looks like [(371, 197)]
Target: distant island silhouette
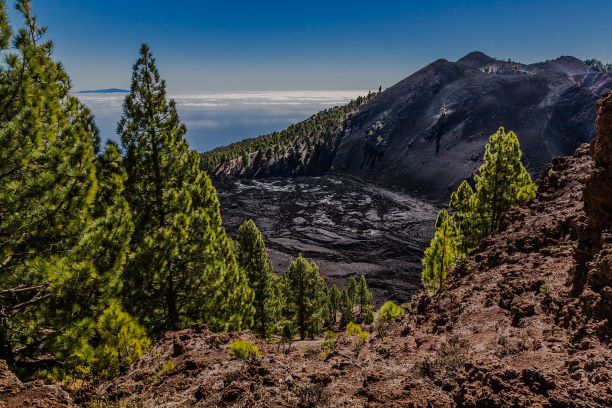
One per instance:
[(109, 90)]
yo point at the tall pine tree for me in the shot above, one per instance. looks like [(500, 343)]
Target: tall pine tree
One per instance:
[(351, 288), (502, 182), (182, 267), (47, 187), (253, 258), (334, 304), (346, 307), (305, 296), (363, 297)]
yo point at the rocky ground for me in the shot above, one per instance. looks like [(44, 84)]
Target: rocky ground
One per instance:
[(343, 224), (525, 321), (15, 394)]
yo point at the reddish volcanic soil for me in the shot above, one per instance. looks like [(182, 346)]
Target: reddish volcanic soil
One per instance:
[(15, 394), (525, 321)]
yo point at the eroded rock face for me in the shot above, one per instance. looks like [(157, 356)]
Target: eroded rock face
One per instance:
[(593, 277), (15, 394)]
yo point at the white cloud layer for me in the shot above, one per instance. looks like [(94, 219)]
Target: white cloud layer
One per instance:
[(216, 119)]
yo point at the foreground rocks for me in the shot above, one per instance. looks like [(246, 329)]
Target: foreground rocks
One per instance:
[(525, 321), (14, 393)]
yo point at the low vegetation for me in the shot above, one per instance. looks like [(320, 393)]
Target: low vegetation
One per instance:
[(390, 311), (242, 349), (597, 65)]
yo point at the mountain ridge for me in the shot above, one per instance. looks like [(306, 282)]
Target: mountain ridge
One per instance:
[(398, 138)]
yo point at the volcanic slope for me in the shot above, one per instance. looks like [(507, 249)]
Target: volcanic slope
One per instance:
[(427, 133), (525, 321), (347, 226)]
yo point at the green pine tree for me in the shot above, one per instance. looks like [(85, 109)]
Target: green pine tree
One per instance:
[(47, 189), (334, 304), (346, 307), (305, 296), (463, 201), (92, 278), (351, 288), (64, 224), (253, 258), (502, 181), (441, 254), (121, 342), (363, 297), (182, 266)]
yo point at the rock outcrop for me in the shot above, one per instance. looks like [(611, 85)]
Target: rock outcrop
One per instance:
[(524, 322), (15, 394)]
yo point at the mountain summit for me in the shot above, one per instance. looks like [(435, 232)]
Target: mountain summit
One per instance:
[(428, 132)]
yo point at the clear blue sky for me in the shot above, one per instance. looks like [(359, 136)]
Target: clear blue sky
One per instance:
[(282, 45)]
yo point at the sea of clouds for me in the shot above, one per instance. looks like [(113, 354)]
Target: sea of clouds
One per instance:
[(217, 119)]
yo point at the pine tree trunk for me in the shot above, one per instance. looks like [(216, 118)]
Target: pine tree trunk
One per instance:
[(171, 303), (262, 319), (6, 349), (301, 310)]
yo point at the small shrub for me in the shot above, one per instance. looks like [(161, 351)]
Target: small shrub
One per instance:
[(446, 360), (384, 350), (390, 311), (353, 329), (426, 366), (167, 367), (369, 318), (242, 349), (360, 335), (312, 395), (546, 288), (328, 345)]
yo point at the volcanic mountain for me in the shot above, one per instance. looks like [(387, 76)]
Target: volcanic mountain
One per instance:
[(427, 133)]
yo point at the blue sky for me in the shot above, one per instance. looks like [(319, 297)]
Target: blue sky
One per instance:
[(284, 45)]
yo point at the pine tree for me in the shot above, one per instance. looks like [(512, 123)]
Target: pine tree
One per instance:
[(441, 254), (351, 288), (253, 258), (502, 181), (101, 252), (346, 309), (64, 225), (363, 297), (121, 342), (182, 266), (305, 296), (463, 201), (47, 188), (334, 304)]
